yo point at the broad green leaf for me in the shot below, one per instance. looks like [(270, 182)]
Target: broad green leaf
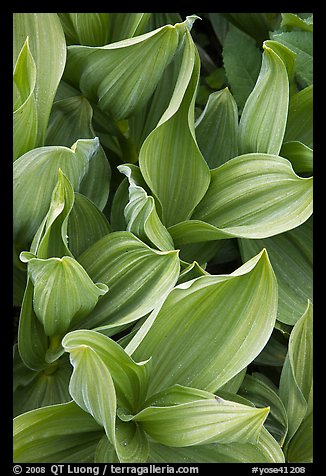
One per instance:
[(256, 25), (116, 75), (91, 386), (34, 177), (200, 326), (242, 60), (48, 48), (201, 422), (300, 156), (291, 257), (300, 119), (61, 433), (125, 26), (263, 394), (130, 378), (38, 389), (235, 201), (141, 215), (296, 377), (86, 225), (91, 29), (301, 42), (263, 120), (170, 154), (70, 120), (291, 20), (25, 113), (138, 277), (266, 451), (63, 292), (217, 129)]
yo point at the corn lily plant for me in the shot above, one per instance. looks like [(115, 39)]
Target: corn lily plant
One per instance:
[(162, 237)]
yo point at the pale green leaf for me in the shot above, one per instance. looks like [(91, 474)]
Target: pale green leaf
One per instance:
[(91, 29), (86, 225), (63, 292), (292, 260), (233, 385), (138, 277), (217, 129), (300, 120), (130, 378), (300, 449), (61, 433), (266, 451), (191, 271), (292, 20), (25, 113), (242, 60), (236, 199), (116, 75), (287, 56), (131, 442), (170, 154), (35, 175), (263, 119), (48, 48), (200, 326), (140, 212), (129, 25), (105, 452)]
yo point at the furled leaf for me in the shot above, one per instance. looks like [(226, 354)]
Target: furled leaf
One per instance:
[(131, 442), (138, 277), (266, 451), (300, 156), (291, 257), (140, 212), (170, 154), (300, 120), (48, 48), (200, 326), (263, 119), (35, 175), (61, 433), (116, 75), (86, 225), (296, 377), (25, 113), (70, 120), (242, 60), (63, 292), (301, 42), (262, 394), (217, 129), (201, 422), (130, 378), (255, 196)]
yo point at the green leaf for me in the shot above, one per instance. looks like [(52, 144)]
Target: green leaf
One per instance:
[(300, 448), (301, 42), (291, 20), (138, 277), (263, 393), (200, 326), (25, 113), (39, 389), (91, 29), (242, 60), (300, 120), (291, 257), (63, 292), (235, 201), (48, 48), (217, 129), (86, 225), (201, 422), (263, 120), (130, 378), (127, 26), (140, 212), (116, 75), (296, 377), (300, 156), (36, 173), (266, 451), (61, 433), (70, 120), (256, 25), (131, 443), (273, 354), (170, 153)]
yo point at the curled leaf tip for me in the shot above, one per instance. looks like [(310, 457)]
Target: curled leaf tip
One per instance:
[(191, 20)]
